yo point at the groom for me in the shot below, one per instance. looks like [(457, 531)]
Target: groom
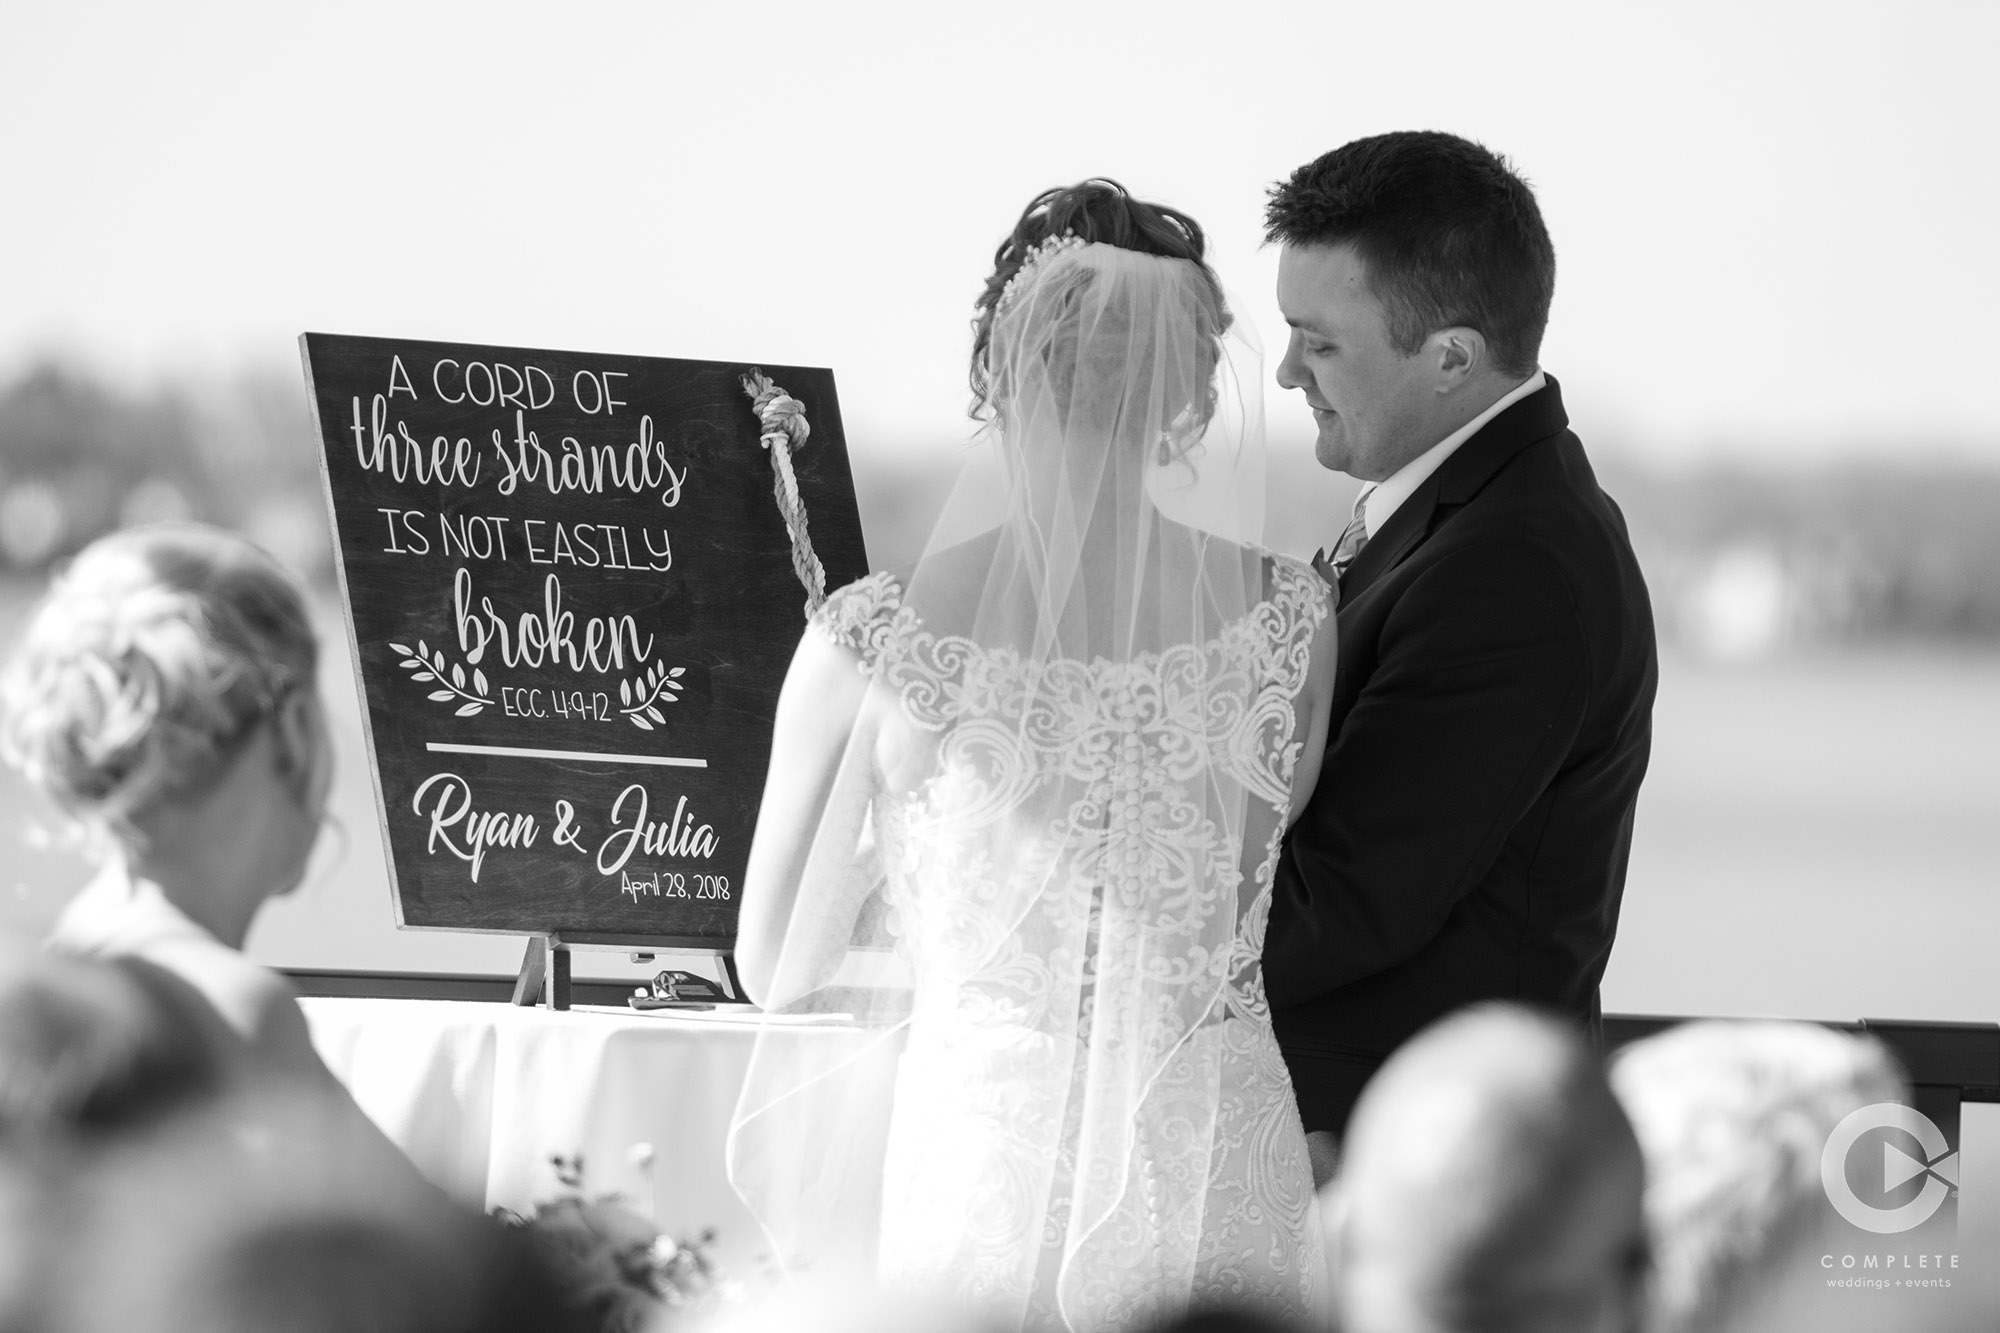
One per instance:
[(1492, 711)]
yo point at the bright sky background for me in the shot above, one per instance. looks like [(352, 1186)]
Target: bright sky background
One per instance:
[(1778, 224)]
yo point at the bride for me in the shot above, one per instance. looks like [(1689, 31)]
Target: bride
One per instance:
[(1023, 808)]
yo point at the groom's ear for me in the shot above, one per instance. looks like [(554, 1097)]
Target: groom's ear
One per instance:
[(1460, 353)]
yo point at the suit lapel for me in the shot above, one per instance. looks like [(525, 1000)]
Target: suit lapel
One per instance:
[(1456, 481)]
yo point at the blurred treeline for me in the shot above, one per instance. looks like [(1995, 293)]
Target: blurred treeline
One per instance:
[(1740, 560), (79, 458)]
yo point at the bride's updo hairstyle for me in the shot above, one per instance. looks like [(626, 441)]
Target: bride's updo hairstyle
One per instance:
[(153, 656), (1097, 211)]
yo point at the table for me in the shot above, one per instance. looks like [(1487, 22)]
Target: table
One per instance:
[(480, 1095)]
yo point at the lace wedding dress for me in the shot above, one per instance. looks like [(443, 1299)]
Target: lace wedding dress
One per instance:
[(1174, 1103), (1047, 774)]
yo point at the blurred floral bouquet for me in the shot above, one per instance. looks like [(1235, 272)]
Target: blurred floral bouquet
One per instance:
[(615, 1264)]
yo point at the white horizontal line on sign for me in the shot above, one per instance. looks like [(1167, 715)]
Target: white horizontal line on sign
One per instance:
[(523, 752)]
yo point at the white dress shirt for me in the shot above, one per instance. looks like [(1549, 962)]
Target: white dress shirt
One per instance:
[(1385, 499)]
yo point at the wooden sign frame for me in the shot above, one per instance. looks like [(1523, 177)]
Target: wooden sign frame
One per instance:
[(573, 583)]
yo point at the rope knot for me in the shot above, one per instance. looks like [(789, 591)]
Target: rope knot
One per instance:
[(782, 416), (784, 429)]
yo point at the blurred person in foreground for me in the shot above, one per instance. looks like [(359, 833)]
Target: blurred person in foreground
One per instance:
[(1492, 711), (145, 1186), (90, 1052), (1733, 1118), (199, 1233), (165, 696), (1489, 1183), (93, 1048)]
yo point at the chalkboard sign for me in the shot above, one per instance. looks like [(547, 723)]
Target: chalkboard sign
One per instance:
[(575, 583)]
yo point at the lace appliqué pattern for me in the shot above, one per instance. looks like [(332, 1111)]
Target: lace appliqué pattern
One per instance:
[(1092, 1121)]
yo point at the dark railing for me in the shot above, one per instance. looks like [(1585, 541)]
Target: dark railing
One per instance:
[(443, 986), (1965, 1056), (1949, 1064)]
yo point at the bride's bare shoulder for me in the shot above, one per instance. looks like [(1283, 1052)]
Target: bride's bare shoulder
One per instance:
[(1276, 574)]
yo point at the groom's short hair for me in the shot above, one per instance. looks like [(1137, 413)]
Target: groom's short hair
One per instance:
[(1449, 234)]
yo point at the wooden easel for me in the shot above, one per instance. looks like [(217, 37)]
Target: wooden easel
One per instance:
[(544, 975)]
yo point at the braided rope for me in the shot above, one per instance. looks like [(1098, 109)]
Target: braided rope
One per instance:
[(783, 418)]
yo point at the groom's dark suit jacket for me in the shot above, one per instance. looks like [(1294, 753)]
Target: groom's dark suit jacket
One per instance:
[(1492, 715)]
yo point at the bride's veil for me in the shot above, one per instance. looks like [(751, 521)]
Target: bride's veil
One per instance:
[(1031, 878)]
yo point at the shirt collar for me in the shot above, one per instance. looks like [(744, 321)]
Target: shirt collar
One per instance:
[(1378, 503)]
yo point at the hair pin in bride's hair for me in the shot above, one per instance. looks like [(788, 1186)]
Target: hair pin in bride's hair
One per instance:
[(1049, 247)]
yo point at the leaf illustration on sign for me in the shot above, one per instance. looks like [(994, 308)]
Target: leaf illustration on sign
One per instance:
[(427, 665), (639, 698)]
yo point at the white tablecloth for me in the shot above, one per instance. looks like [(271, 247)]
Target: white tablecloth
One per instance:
[(480, 1095)]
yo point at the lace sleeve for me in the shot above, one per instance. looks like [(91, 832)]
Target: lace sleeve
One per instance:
[(861, 617)]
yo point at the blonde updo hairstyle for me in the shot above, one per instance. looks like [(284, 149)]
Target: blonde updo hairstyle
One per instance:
[(150, 661)]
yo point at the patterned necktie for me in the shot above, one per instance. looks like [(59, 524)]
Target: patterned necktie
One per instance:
[(1353, 537)]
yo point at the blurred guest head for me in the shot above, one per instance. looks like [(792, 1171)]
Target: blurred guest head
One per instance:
[(91, 1049), (164, 695), (1489, 1182), (269, 1207), (1733, 1117), (86, 1055), (330, 1273), (97, 1057)]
